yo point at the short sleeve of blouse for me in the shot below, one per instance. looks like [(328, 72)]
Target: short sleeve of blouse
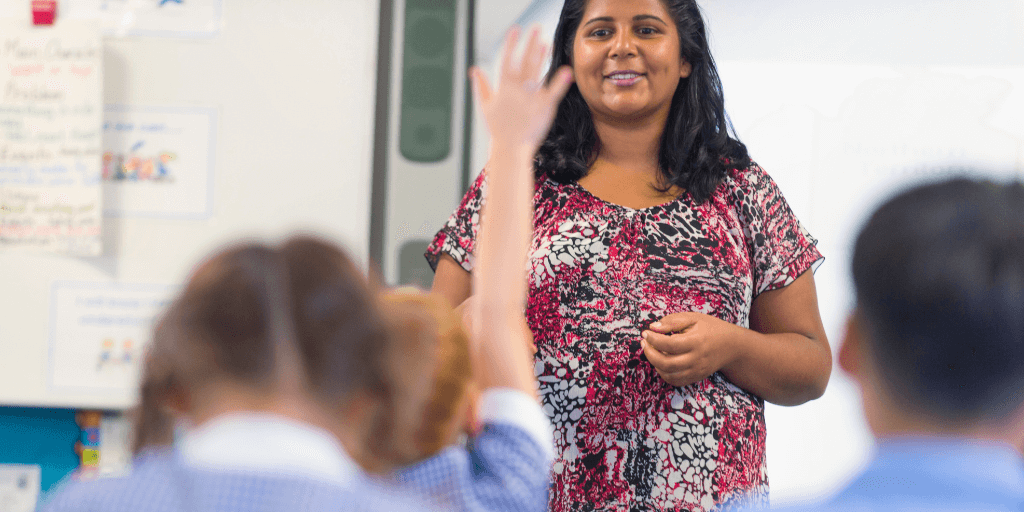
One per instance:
[(780, 247), (457, 237)]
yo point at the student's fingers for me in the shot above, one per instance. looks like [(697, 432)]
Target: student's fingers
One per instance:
[(508, 69), (533, 55), (481, 87), (558, 86), (676, 322), (669, 344)]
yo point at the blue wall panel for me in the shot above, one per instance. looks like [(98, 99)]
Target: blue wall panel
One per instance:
[(40, 436)]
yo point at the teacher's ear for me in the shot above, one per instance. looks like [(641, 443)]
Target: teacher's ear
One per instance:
[(685, 68)]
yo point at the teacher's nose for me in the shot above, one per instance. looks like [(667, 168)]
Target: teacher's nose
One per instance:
[(623, 46)]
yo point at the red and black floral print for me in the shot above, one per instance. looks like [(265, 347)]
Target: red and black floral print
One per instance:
[(599, 273)]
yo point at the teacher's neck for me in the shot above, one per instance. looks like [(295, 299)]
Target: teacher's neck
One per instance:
[(631, 143)]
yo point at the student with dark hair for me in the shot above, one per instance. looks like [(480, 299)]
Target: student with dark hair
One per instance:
[(936, 344), (669, 292), (281, 366)]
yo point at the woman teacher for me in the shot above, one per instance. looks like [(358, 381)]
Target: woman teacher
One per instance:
[(669, 292)]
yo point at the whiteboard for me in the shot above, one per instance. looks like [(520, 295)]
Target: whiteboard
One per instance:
[(286, 90)]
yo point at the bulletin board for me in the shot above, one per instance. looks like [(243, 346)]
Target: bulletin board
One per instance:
[(221, 120)]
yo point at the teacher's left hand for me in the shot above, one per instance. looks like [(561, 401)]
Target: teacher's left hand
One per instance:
[(688, 347)]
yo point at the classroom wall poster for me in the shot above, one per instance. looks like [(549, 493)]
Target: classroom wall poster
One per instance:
[(157, 162), (98, 333), (50, 115), (153, 18)]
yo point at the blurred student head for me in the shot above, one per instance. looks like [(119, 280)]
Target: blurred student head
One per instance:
[(293, 330), (937, 338), (432, 353)]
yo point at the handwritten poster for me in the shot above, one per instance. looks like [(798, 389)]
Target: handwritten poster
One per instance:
[(157, 162), (98, 334), (50, 120)]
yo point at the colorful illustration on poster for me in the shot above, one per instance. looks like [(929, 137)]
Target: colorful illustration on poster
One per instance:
[(98, 332), (157, 161), (136, 166)]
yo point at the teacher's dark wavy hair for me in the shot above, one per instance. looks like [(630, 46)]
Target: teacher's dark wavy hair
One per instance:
[(696, 148)]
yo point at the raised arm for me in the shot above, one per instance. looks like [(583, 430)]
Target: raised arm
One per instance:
[(519, 113), (507, 465)]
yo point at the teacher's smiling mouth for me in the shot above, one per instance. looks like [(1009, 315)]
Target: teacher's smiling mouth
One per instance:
[(624, 78)]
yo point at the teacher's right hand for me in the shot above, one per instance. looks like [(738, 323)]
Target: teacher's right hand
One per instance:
[(520, 111)]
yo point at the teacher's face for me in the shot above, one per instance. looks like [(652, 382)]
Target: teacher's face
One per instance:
[(626, 58)]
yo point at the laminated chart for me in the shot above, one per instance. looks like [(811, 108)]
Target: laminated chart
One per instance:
[(99, 332), (158, 161), (50, 121)]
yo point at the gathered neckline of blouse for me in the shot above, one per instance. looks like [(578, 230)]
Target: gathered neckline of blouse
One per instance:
[(583, 190)]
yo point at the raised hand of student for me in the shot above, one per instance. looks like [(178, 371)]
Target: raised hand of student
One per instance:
[(519, 112)]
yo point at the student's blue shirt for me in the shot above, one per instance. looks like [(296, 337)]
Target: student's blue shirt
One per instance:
[(936, 475), (504, 468), (240, 462), (250, 462), (161, 482)]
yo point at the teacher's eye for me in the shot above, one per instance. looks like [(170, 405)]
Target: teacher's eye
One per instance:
[(647, 31), (601, 32)]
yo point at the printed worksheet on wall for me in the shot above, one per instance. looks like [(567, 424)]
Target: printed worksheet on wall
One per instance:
[(158, 161), (98, 334)]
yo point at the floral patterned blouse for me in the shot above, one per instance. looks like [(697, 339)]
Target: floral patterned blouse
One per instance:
[(599, 273)]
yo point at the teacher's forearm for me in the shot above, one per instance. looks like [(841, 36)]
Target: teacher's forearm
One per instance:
[(782, 368)]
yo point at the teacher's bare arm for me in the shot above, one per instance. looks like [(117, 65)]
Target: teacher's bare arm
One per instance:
[(784, 357), (451, 281)]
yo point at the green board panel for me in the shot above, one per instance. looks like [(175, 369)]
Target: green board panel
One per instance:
[(428, 69)]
